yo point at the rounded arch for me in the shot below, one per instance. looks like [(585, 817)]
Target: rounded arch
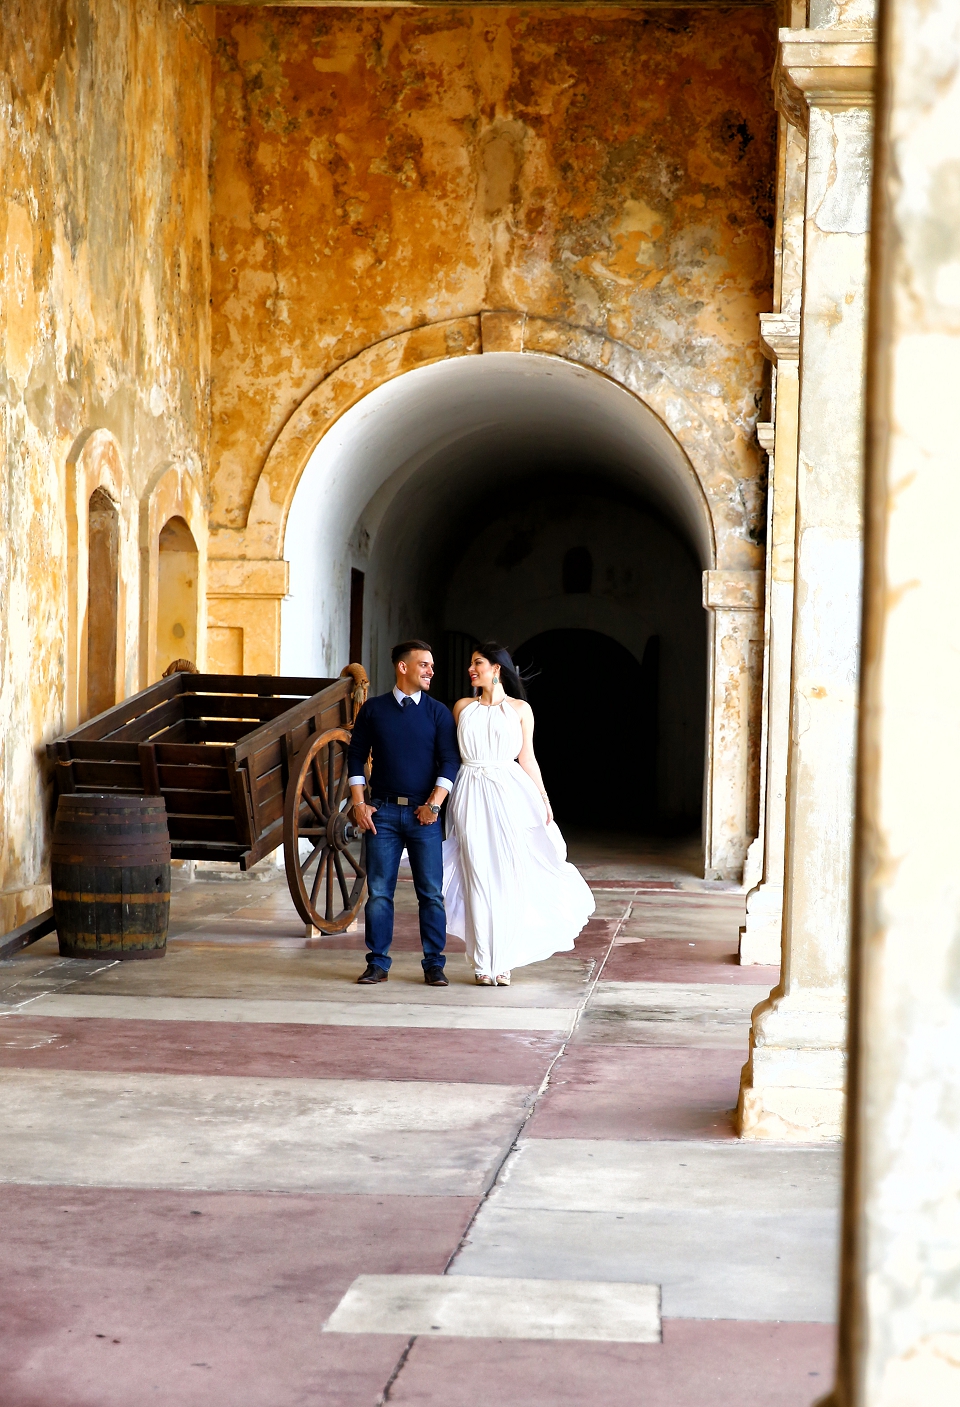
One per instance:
[(172, 493), (95, 465), (717, 515), (705, 489), (429, 447)]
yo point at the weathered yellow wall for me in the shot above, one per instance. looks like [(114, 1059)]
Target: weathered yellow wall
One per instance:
[(376, 170), (104, 217)]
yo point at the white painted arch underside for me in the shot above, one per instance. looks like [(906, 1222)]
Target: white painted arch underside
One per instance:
[(445, 429)]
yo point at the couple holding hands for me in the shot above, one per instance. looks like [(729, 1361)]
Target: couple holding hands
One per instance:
[(500, 881)]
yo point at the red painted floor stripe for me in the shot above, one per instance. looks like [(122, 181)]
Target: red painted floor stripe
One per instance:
[(639, 1092), (691, 960), (117, 1299), (275, 1051), (701, 1363)]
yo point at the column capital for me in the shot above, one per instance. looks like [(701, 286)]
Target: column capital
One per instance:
[(780, 337), (733, 590), (828, 68)]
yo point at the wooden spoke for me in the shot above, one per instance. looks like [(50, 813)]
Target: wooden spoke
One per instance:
[(313, 855), (344, 892), (350, 860), (330, 877), (321, 789), (321, 868), (316, 790), (342, 785)]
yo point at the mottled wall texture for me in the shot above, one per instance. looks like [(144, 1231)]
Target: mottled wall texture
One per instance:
[(104, 218), (334, 184), (377, 170)]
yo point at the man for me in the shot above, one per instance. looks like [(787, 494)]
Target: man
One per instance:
[(415, 759)]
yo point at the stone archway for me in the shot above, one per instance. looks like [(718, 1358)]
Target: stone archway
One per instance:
[(716, 469), (249, 577)]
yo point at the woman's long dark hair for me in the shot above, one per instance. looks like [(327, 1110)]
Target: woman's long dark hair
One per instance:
[(510, 676)]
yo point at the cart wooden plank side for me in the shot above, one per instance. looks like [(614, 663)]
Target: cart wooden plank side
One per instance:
[(243, 763)]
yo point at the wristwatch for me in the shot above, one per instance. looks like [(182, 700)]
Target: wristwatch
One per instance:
[(434, 809)]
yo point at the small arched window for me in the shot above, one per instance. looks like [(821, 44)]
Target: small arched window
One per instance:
[(177, 595), (103, 582), (577, 572)]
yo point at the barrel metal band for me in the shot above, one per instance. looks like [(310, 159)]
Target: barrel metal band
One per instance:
[(66, 896)]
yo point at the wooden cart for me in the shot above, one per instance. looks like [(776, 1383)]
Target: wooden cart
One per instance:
[(244, 763)]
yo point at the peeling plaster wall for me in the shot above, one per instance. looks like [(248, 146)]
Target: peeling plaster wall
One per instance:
[(104, 325), (376, 170)]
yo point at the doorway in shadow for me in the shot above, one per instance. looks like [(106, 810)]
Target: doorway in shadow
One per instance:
[(596, 710)]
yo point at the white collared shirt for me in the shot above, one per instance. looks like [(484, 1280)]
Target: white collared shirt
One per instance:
[(399, 695)]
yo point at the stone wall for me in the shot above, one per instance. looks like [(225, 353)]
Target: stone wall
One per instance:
[(375, 171), (104, 217)]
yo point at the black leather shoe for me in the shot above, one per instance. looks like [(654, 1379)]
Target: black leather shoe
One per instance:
[(373, 974), (433, 976)]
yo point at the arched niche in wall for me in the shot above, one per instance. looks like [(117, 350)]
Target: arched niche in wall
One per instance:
[(178, 601), (100, 518), (103, 587), (173, 572)]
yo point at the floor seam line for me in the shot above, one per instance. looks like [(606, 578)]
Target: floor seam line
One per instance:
[(544, 1084)]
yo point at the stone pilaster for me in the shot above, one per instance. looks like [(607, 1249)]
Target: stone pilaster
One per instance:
[(793, 1083), (734, 600), (900, 1311), (760, 938)]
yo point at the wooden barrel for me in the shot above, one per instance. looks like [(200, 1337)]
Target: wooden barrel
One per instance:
[(110, 867)]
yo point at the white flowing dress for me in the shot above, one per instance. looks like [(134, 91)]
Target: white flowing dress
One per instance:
[(509, 892)]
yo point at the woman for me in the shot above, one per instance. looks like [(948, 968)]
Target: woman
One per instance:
[(509, 892)]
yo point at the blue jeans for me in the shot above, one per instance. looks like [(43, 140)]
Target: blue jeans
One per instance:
[(399, 829)]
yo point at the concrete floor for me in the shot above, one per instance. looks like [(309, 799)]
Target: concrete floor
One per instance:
[(513, 1196)]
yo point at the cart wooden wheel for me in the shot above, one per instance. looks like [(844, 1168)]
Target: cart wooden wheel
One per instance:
[(328, 879)]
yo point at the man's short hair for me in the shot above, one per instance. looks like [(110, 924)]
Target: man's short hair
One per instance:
[(407, 647)]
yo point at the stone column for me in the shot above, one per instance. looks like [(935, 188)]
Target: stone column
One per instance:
[(793, 1083), (760, 937), (735, 602), (753, 862), (900, 1308)]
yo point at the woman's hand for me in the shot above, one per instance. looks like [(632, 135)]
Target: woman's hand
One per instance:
[(546, 802)]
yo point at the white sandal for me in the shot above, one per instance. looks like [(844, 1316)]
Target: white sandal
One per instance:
[(503, 979), (483, 980)]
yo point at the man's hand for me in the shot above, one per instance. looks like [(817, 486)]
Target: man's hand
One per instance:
[(362, 813), (363, 817), (424, 815)]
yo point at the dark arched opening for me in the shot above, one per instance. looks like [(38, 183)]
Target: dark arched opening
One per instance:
[(607, 773)]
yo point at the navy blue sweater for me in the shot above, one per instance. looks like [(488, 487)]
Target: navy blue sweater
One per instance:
[(412, 746)]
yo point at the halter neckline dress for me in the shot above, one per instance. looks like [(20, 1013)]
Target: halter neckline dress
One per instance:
[(508, 889)]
